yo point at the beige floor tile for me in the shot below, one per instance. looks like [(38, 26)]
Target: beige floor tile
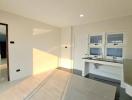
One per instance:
[(18, 90), (56, 85)]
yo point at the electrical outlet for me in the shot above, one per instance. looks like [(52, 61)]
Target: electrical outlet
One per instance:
[(12, 42), (18, 70)]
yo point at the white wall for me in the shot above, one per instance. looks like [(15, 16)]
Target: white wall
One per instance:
[(81, 32), (65, 59), (37, 45)]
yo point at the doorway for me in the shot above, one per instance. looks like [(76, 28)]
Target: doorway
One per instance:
[(4, 65)]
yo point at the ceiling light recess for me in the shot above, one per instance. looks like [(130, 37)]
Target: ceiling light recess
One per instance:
[(81, 15)]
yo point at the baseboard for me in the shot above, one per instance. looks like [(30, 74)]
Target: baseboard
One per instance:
[(90, 75), (77, 72), (65, 69), (74, 71)]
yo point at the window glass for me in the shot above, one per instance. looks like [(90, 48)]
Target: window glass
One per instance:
[(115, 52), (96, 39), (95, 51), (115, 38)]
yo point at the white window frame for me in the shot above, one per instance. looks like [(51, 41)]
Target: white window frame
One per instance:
[(97, 34), (114, 44), (110, 57), (96, 56), (104, 45)]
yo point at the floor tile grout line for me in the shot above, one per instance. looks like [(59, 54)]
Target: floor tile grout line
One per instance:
[(39, 86), (66, 87)]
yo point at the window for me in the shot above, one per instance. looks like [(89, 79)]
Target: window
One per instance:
[(95, 39), (115, 38), (114, 52), (107, 45), (95, 51)]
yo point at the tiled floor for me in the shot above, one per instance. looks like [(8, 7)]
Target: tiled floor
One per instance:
[(56, 85), (120, 92), (20, 89), (81, 88), (3, 71), (66, 86)]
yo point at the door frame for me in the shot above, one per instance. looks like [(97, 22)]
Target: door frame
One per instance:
[(7, 49)]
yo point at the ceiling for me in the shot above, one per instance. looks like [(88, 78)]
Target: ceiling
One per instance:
[(66, 12)]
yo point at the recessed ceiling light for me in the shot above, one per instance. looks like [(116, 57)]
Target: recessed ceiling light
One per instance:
[(81, 15)]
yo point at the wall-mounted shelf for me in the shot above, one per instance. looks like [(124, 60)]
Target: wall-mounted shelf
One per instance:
[(108, 64)]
